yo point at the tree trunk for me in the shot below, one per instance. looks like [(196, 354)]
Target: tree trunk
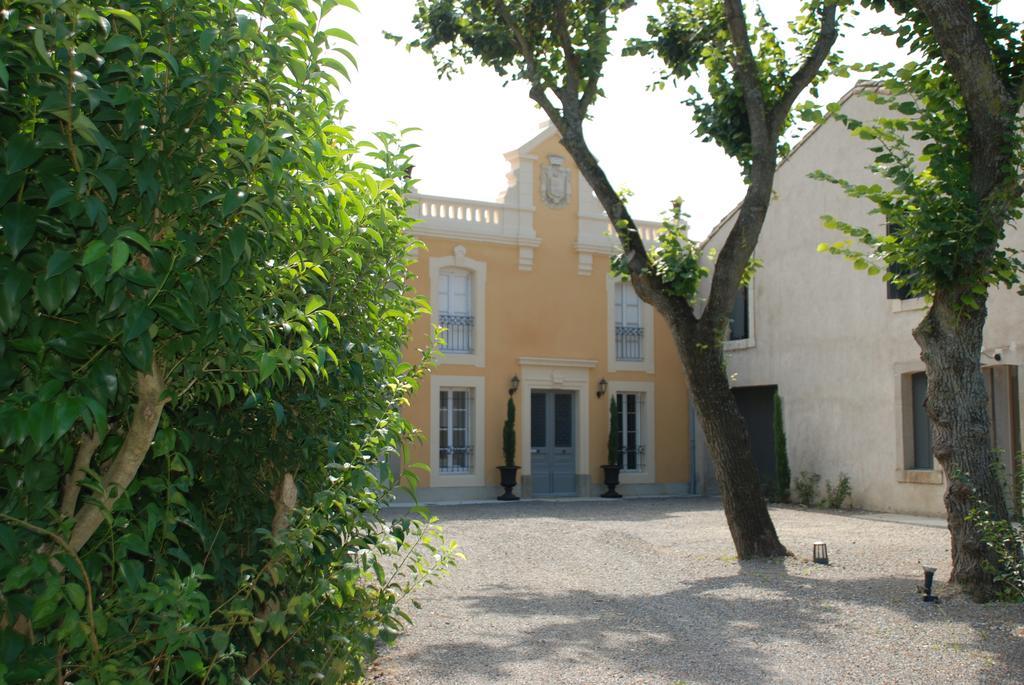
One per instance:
[(950, 337), (746, 508)]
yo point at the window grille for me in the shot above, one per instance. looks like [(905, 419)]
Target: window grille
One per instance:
[(455, 311), (629, 407)]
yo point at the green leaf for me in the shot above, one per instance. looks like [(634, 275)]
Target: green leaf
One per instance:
[(119, 254), (126, 15), (165, 56), (139, 352), (137, 320), (84, 127), (19, 226), (76, 594), (118, 41), (192, 661), (38, 40), (97, 249), (17, 284), (59, 262), (137, 238), (268, 364), (22, 152), (315, 303), (4, 75)]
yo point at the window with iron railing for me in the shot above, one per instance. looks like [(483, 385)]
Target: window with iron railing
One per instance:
[(455, 311), (455, 432), (629, 329), (629, 408)]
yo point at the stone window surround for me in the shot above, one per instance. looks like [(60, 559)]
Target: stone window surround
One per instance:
[(904, 420), (645, 388)]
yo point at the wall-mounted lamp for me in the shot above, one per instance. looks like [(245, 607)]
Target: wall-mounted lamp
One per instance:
[(602, 387), (513, 385)]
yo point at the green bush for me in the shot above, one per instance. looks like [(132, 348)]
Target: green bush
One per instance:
[(508, 435), (1004, 540), (782, 472), (806, 487), (203, 309), (614, 437), (836, 496)]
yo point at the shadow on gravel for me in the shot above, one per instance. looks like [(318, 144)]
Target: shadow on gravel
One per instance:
[(574, 510), (709, 630)]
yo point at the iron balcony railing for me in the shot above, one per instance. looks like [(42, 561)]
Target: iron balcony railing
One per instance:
[(632, 458), (455, 459), (629, 343), (458, 336)]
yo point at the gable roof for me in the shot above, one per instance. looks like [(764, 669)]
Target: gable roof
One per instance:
[(857, 89)]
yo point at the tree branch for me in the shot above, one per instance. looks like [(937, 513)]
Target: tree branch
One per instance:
[(745, 67), (145, 418), (803, 77), (83, 457), (572, 59), (990, 108)]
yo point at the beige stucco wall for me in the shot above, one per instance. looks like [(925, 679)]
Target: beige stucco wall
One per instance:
[(553, 312), (828, 337)]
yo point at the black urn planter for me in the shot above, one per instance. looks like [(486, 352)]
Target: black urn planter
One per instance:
[(508, 481), (611, 480)]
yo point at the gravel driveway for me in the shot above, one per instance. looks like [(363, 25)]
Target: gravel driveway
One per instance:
[(649, 591)]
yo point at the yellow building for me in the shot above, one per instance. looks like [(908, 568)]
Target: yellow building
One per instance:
[(522, 287)]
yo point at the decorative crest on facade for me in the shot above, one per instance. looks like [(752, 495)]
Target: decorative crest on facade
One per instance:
[(554, 183)]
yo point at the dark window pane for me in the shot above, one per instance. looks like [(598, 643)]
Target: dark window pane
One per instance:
[(563, 420), (922, 429), (739, 324), (538, 419)]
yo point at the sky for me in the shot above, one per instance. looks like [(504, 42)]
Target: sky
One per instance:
[(644, 139)]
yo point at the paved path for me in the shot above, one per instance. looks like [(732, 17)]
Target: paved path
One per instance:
[(649, 592)]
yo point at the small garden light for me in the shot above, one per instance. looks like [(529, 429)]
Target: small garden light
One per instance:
[(820, 553), (929, 579)]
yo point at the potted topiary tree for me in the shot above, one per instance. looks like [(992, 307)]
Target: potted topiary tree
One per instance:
[(614, 465), (508, 448)]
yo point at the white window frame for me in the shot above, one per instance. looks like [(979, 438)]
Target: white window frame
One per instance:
[(646, 365), (478, 297), (478, 430), (646, 426)]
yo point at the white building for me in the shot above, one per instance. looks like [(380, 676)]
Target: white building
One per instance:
[(837, 346)]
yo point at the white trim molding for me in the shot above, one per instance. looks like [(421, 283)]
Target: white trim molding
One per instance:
[(548, 373), (646, 317), (479, 431), (479, 298), (647, 389)]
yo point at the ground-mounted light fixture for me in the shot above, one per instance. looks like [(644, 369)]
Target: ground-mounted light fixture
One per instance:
[(929, 580), (513, 385), (820, 553), (602, 387)]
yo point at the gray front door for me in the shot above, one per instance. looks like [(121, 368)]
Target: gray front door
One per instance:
[(553, 442)]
